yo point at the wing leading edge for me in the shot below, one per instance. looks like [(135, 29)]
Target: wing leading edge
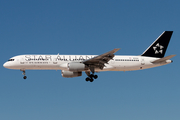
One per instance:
[(100, 60)]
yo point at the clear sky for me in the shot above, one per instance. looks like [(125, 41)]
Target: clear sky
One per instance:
[(88, 27)]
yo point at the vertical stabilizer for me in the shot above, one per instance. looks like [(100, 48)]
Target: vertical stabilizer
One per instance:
[(159, 46)]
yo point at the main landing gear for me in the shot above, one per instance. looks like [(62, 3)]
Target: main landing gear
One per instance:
[(91, 77), (24, 73)]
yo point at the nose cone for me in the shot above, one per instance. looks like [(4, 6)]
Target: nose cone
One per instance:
[(10, 65), (5, 65)]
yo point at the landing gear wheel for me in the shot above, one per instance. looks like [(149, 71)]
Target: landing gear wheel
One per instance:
[(25, 77), (95, 76), (87, 79), (91, 77), (91, 80)]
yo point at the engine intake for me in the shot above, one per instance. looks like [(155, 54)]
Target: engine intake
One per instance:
[(70, 74)]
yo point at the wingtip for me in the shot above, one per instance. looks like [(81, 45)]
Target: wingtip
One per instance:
[(117, 49), (173, 55)]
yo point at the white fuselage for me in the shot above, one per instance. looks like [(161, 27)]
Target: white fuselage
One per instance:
[(60, 62), (74, 65)]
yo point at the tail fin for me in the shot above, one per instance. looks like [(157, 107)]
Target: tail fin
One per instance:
[(159, 46)]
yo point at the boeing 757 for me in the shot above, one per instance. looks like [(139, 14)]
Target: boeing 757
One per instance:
[(74, 65)]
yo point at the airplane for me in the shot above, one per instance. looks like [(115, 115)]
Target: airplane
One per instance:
[(73, 65)]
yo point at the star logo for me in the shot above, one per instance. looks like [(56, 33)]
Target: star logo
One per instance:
[(158, 48)]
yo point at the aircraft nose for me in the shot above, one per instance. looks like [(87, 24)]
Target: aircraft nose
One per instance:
[(5, 65)]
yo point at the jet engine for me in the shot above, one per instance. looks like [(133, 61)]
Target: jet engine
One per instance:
[(76, 66), (70, 74)]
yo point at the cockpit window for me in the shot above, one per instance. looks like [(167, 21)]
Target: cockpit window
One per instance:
[(11, 60)]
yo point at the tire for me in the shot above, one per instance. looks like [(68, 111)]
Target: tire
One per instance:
[(24, 77), (95, 76), (87, 79), (91, 80)]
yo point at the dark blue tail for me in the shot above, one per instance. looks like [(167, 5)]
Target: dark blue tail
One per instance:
[(159, 46)]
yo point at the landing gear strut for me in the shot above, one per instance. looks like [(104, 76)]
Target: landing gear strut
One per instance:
[(24, 73)]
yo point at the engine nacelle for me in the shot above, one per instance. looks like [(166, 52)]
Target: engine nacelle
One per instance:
[(76, 66), (70, 74)]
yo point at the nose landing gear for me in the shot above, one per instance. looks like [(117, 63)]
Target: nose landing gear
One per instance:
[(25, 77), (24, 73)]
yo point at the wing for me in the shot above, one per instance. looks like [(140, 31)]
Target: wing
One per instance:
[(100, 60)]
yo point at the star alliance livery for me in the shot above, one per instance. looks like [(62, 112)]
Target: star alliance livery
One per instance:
[(74, 65)]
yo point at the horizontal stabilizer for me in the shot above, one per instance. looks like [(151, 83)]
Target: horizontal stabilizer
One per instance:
[(163, 59)]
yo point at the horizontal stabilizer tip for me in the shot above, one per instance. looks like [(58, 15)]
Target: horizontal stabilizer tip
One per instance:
[(164, 59)]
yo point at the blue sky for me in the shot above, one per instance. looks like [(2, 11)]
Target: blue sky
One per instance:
[(88, 27)]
